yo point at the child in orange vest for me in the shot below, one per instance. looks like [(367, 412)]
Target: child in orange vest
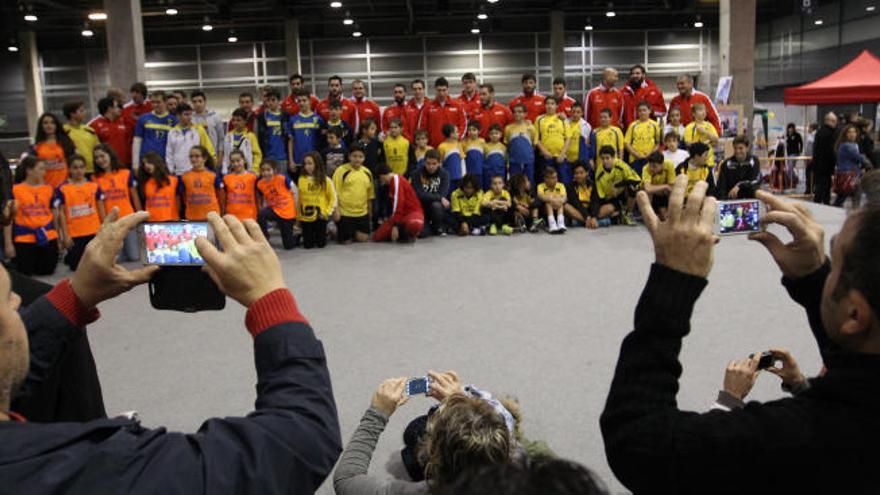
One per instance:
[(80, 205), (32, 238), (198, 187), (120, 191), (238, 195), (158, 188), (279, 203)]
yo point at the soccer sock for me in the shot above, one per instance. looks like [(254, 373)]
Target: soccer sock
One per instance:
[(560, 220), (551, 222)]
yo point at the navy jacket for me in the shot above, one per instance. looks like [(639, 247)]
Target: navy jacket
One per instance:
[(289, 444)]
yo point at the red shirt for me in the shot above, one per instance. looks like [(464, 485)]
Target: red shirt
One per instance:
[(438, 114), (603, 97), (404, 200), (684, 105), (495, 114), (131, 111), (116, 134), (649, 92), (348, 111), (534, 105), (291, 107), (470, 104), (416, 115), (565, 104), (365, 109), (408, 115)]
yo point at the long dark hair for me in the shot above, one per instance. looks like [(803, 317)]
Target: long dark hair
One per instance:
[(160, 172), (841, 138), (114, 160), (517, 185), (60, 136), (320, 173), (27, 163)]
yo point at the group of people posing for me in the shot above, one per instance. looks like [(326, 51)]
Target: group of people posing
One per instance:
[(343, 168)]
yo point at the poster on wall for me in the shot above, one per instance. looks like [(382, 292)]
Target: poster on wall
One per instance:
[(731, 117), (722, 93)]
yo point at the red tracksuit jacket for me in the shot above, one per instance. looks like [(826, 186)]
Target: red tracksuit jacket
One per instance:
[(408, 114), (647, 92), (404, 200), (438, 114)]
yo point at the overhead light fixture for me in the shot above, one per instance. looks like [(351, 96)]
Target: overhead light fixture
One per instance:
[(357, 34), (31, 17), (870, 8), (98, 16), (610, 13), (88, 33), (589, 25), (492, 1), (818, 22), (475, 29), (698, 23), (336, 5), (207, 27), (348, 21), (170, 11), (232, 37), (12, 48), (482, 16)]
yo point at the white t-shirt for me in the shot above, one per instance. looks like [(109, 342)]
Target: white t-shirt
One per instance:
[(676, 157)]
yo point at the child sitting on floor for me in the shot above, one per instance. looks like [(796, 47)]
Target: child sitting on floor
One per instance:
[(466, 217), (552, 196), (496, 203)]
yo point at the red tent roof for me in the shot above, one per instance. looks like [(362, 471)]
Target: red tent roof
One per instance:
[(855, 82)]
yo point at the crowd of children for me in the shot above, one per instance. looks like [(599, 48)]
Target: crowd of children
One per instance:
[(307, 167)]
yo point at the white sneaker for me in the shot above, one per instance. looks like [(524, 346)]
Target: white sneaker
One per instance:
[(560, 223), (476, 231), (551, 226)]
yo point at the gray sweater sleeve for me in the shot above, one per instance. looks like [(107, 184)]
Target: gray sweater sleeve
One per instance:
[(351, 476)]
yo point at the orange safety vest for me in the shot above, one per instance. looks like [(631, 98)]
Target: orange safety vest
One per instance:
[(200, 194), (278, 195), (162, 201), (81, 208), (116, 186), (56, 163), (241, 195), (33, 210)]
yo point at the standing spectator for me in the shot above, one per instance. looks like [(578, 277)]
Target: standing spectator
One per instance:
[(398, 109), (740, 175), (441, 111), (182, 138), (53, 147), (687, 96), (111, 129), (84, 137), (470, 97), (334, 93), (32, 238), (603, 96), (533, 101), (808, 151), (209, 119), (406, 218), (565, 101), (365, 108), (866, 141), (138, 105), (638, 89), (824, 159), (431, 183), (490, 112), (850, 162), (246, 103), (794, 146), (418, 106), (151, 131), (273, 131), (289, 105)]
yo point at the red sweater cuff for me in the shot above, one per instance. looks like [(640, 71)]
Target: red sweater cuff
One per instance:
[(65, 301), (272, 309)]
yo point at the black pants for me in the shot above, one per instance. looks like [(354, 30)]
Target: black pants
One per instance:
[(473, 221), (822, 188), (31, 259), (314, 234), (498, 217), (284, 225), (75, 253), (72, 392), (434, 217), (808, 173)]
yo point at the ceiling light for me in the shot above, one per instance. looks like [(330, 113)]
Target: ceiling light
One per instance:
[(698, 24), (12, 48), (170, 11), (588, 27), (492, 1), (232, 38), (207, 27), (870, 8), (818, 22), (30, 17), (88, 33), (482, 16), (348, 21), (336, 5), (610, 13), (357, 34), (98, 16)]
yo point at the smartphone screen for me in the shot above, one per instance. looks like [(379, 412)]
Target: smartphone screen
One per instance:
[(416, 386), (172, 243), (739, 216)]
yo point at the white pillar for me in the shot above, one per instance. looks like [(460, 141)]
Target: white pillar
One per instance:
[(125, 42)]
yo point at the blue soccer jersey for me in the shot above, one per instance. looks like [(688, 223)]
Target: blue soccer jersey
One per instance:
[(474, 157), (277, 139), (306, 134), (521, 148), (153, 130)]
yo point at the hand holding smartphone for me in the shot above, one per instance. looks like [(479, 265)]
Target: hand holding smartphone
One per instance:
[(172, 243), (418, 386), (740, 216)]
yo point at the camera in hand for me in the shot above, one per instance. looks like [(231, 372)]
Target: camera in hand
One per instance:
[(418, 386), (766, 361), (738, 217)]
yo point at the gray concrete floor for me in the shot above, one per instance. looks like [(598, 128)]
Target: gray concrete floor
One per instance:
[(537, 317)]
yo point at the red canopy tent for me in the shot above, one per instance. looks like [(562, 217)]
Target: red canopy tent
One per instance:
[(855, 82)]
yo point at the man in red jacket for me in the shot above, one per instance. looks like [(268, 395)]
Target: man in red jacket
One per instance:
[(639, 89), (406, 209), (365, 108), (602, 96), (289, 105), (334, 92), (533, 101), (399, 109), (470, 97), (490, 111), (414, 118), (687, 96), (139, 105), (112, 130), (443, 110), (565, 101)]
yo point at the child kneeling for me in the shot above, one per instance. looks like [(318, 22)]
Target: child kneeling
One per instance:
[(279, 203), (406, 220), (616, 186)]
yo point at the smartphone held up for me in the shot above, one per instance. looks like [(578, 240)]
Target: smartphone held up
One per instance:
[(173, 243), (739, 216)]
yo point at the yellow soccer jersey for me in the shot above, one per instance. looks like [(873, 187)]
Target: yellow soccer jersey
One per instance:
[(665, 176), (609, 136), (581, 193), (552, 133), (695, 175), (315, 200), (466, 206), (643, 136), (610, 183), (397, 154), (490, 195), (557, 190), (84, 140), (525, 129), (692, 134), (354, 190)]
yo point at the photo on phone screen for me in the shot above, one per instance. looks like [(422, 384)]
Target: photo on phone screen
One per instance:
[(172, 243), (739, 216), (416, 386)]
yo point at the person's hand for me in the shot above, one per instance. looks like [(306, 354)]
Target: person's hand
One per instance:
[(9, 250), (445, 203), (685, 241), (444, 384), (805, 253), (98, 277), (247, 268), (790, 373), (733, 193), (592, 223), (560, 159), (740, 376), (390, 395), (8, 212)]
